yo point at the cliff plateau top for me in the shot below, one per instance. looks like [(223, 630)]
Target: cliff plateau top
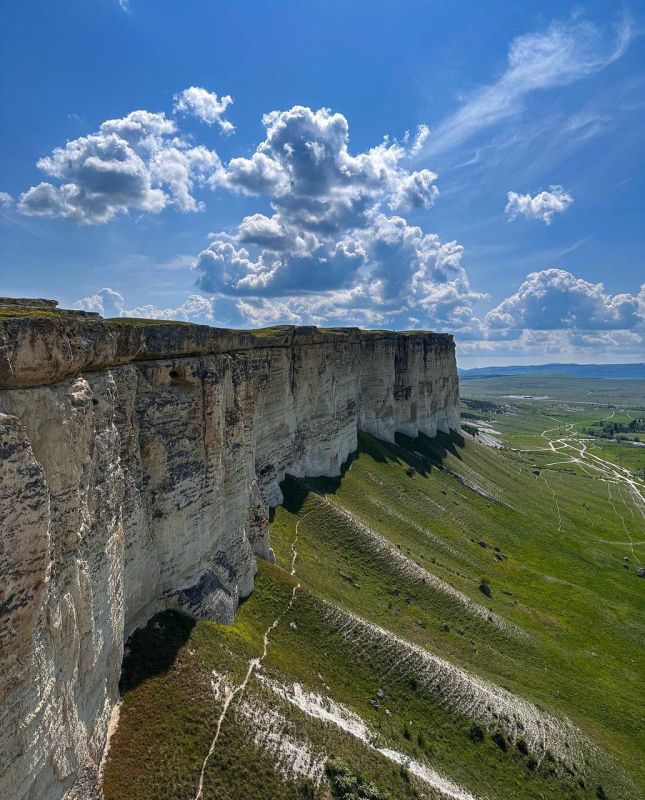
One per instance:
[(41, 344)]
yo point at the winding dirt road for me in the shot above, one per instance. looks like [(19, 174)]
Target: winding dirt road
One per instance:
[(572, 448)]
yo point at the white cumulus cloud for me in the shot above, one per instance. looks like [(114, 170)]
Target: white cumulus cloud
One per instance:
[(554, 299), (331, 248), (110, 303), (416, 190), (137, 162), (537, 346), (315, 183), (105, 302), (204, 105), (543, 206)]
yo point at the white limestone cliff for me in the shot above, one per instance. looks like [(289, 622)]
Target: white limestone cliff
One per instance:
[(138, 467)]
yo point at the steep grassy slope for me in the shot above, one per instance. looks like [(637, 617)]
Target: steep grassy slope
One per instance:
[(434, 618)]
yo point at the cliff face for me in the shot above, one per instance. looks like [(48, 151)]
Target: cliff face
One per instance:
[(138, 467)]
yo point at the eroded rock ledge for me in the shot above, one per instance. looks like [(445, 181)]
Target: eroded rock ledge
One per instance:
[(139, 461)]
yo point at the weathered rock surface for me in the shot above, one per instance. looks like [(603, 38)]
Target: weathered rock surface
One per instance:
[(138, 466)]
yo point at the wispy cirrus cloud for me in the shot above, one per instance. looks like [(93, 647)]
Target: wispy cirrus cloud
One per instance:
[(562, 54)]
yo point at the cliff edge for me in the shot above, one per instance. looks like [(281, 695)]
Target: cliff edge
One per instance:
[(139, 462)]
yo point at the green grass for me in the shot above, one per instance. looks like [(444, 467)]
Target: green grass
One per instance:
[(573, 645), (276, 330), (571, 401), (37, 313), (168, 719), (142, 322), (569, 590), (559, 388)]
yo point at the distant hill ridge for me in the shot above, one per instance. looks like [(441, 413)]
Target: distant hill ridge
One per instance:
[(624, 371)]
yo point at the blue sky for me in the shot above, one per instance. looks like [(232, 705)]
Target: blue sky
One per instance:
[(475, 167)]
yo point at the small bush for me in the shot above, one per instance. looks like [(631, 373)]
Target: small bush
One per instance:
[(500, 740), (307, 791), (345, 785), (476, 733)]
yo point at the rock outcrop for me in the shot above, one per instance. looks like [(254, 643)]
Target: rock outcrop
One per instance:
[(139, 462)]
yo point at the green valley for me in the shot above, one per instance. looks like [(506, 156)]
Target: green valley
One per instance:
[(458, 617)]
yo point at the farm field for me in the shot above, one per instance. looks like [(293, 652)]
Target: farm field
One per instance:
[(523, 407)]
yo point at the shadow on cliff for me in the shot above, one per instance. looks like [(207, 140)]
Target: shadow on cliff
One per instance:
[(295, 490), (420, 453), (152, 650)]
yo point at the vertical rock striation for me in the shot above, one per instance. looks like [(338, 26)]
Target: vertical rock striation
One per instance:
[(138, 466)]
